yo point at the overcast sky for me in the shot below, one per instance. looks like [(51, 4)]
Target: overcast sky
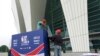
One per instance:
[(7, 23)]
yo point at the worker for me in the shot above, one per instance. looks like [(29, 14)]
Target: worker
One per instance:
[(43, 25), (58, 42)]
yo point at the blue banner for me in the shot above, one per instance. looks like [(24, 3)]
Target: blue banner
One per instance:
[(30, 44)]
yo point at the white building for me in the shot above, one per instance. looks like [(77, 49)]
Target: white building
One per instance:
[(28, 12)]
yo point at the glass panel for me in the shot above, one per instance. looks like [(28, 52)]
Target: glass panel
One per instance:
[(93, 8), (94, 13), (94, 23), (94, 17), (55, 18), (93, 4)]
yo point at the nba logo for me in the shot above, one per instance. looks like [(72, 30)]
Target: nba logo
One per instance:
[(24, 40)]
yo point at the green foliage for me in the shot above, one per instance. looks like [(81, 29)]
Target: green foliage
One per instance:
[(4, 48), (0, 49)]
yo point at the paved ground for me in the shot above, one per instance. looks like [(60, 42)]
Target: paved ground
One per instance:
[(70, 54)]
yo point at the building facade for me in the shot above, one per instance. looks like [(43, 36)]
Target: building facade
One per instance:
[(78, 19)]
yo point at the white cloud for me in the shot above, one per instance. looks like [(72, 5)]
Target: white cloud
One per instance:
[(7, 25)]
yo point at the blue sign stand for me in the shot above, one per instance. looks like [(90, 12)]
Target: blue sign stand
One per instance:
[(30, 44)]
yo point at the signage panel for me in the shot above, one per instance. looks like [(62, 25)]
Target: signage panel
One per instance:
[(33, 43)]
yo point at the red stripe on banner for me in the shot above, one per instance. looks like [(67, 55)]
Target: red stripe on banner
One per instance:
[(37, 50), (14, 53)]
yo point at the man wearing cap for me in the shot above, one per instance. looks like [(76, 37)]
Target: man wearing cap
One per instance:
[(58, 42)]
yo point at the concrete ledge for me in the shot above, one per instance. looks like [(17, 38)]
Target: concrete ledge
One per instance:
[(75, 54)]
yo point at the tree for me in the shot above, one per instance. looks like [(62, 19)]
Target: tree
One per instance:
[(4, 48), (0, 49)]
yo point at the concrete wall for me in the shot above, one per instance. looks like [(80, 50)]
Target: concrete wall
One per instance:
[(27, 13), (26, 10), (37, 11), (4, 54), (76, 17), (18, 16)]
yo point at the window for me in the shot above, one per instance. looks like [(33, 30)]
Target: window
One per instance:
[(94, 23), (55, 18)]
